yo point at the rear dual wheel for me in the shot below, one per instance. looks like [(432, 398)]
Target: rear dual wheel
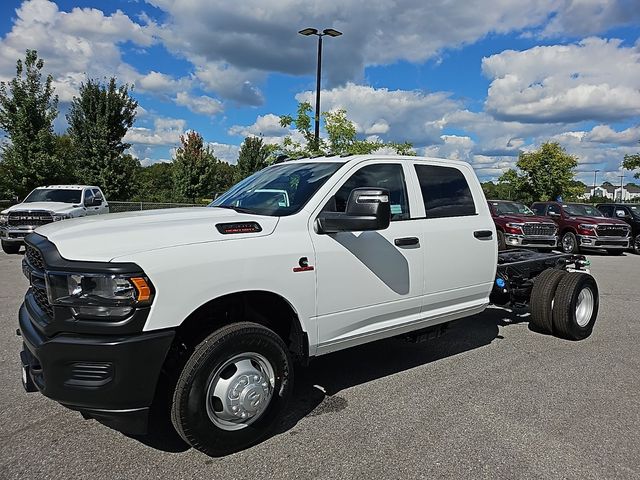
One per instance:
[(564, 303)]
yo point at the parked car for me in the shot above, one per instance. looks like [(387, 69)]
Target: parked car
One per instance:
[(518, 226), (46, 205), (630, 213), (203, 311), (583, 226)]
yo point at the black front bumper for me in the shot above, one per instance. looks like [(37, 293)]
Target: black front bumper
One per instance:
[(111, 378)]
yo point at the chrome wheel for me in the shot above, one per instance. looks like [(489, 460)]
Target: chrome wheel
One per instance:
[(240, 390), (584, 306), (568, 243)]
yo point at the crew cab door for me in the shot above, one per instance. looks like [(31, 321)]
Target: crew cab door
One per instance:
[(368, 282), (459, 243)]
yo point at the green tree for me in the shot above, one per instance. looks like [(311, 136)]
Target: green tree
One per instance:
[(99, 118), (254, 155), (156, 183), (631, 162), (341, 136), (28, 107), (223, 176), (194, 168), (543, 174)]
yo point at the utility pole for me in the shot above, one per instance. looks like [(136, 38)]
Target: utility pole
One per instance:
[(621, 187), (593, 192)]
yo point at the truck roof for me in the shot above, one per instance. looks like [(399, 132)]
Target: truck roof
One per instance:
[(348, 158), (67, 187)]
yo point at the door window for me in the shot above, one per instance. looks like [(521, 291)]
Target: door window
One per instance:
[(98, 194), (606, 210), (539, 208), (88, 197), (445, 192), (553, 209), (380, 175)]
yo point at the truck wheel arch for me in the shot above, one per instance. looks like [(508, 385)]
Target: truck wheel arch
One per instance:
[(263, 307)]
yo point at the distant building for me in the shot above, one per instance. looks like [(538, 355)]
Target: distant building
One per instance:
[(619, 194)]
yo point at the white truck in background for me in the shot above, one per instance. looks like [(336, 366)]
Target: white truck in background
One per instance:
[(201, 313), (46, 205)]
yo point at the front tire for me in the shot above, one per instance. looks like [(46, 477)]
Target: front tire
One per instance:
[(10, 248), (635, 244), (233, 389), (575, 306), (569, 243)]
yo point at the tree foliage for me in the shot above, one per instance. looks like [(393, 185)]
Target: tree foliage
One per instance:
[(341, 136), (156, 183), (98, 121), (28, 107), (197, 173), (632, 162), (254, 155), (543, 174)]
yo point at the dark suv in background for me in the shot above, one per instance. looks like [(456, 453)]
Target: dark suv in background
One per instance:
[(583, 226), (518, 226), (628, 212)]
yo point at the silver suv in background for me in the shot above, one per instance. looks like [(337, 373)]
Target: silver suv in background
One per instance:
[(45, 205)]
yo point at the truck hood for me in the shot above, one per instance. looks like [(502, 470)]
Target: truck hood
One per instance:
[(55, 207), (104, 237), (524, 219), (598, 220)]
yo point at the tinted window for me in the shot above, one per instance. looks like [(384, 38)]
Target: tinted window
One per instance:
[(606, 210), (580, 210), (88, 196), (97, 194), (508, 208), (54, 195), (382, 175), (445, 192), (554, 209), (539, 208)]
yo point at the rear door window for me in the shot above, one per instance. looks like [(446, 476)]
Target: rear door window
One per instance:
[(445, 192)]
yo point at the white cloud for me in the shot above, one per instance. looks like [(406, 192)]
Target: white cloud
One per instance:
[(265, 125), (225, 151), (230, 82), (595, 79), (166, 132), (199, 104), (398, 115), (157, 82)]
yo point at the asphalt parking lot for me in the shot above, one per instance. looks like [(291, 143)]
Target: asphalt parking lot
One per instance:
[(491, 399)]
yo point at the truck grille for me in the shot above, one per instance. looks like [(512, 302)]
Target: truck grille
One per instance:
[(38, 285), (541, 229), (612, 231), (29, 219), (34, 257)]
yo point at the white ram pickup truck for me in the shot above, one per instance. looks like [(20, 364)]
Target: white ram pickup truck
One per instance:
[(46, 205), (206, 310)]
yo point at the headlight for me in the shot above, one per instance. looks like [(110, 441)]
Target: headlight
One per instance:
[(57, 218), (4, 219), (98, 295), (587, 226)]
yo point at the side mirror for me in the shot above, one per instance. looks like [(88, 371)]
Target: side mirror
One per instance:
[(94, 202), (15, 200), (367, 209)]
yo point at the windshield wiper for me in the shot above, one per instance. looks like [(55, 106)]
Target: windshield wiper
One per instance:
[(237, 209)]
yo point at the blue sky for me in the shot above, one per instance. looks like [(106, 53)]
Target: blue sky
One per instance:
[(479, 83)]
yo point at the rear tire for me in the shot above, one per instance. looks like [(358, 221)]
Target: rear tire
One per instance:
[(502, 244), (542, 295), (575, 306), (569, 243), (233, 389), (635, 244), (10, 248)]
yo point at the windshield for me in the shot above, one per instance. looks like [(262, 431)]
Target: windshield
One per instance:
[(54, 195), (580, 210), (511, 208), (279, 190), (635, 210)]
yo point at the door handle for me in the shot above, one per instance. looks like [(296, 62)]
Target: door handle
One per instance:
[(406, 241), (482, 234)]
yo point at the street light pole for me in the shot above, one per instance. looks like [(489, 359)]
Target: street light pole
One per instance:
[(332, 33), (593, 193), (621, 182)]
